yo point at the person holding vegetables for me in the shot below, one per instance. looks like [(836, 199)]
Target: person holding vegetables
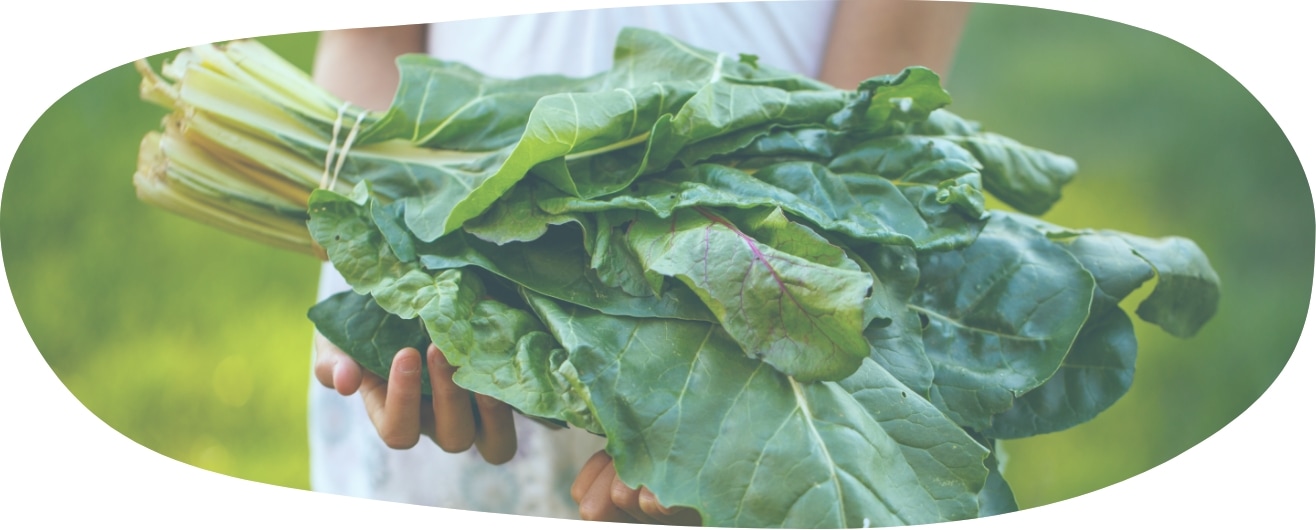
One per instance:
[(542, 471)]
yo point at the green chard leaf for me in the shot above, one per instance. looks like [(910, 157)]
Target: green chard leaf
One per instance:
[(802, 316), (783, 303), (502, 351), (594, 136), (861, 206), (1099, 368), (1187, 289), (554, 265), (1001, 315), (701, 425), (476, 113), (1097, 371)]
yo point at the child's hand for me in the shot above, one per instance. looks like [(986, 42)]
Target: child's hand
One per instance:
[(454, 418), (604, 497)]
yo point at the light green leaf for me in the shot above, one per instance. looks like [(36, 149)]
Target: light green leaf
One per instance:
[(700, 425), (803, 317), (554, 265)]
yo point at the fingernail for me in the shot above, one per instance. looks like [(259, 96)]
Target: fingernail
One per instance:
[(409, 365)]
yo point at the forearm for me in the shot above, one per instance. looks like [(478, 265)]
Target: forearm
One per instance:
[(875, 37), (358, 64)]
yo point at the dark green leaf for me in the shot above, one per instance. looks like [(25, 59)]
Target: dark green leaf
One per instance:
[(370, 335), (1001, 313), (1097, 371)]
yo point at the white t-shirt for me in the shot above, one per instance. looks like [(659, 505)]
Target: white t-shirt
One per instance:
[(347, 456)]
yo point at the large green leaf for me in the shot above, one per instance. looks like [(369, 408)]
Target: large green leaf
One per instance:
[(475, 113), (1097, 371), (1187, 289), (1001, 315), (801, 311), (591, 137), (1099, 367), (701, 425)]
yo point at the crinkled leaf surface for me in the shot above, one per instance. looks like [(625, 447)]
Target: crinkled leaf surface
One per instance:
[(1027, 178), (701, 425), (555, 265), (516, 217), (591, 137), (500, 351), (860, 206)]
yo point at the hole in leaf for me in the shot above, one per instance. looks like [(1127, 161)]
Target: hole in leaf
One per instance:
[(923, 321)]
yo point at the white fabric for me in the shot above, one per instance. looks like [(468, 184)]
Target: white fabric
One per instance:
[(790, 35), (347, 456)]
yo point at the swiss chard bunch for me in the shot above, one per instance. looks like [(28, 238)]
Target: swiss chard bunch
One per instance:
[(784, 304)]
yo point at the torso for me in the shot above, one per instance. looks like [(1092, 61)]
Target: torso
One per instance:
[(347, 456)]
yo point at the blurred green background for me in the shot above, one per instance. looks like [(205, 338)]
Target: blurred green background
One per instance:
[(194, 343)]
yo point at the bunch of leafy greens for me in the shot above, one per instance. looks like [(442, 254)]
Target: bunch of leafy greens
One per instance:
[(784, 304)]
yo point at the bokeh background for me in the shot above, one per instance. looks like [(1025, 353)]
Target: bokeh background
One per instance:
[(194, 343)]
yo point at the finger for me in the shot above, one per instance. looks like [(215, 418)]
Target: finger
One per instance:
[(335, 369), (454, 421), (588, 473), (597, 504), (627, 499), (496, 438), (669, 516), (393, 406), (347, 374)]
